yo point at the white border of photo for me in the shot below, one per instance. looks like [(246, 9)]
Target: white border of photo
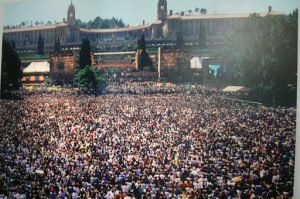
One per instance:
[(297, 150), (1, 36), (297, 161)]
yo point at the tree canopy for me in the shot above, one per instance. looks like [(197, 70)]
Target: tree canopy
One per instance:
[(57, 45), (180, 41), (89, 79), (263, 54), (11, 67), (40, 45), (145, 61), (203, 11), (98, 22), (85, 54), (202, 36), (142, 43)]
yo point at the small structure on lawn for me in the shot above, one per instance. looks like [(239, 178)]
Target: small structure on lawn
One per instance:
[(36, 72), (235, 89)]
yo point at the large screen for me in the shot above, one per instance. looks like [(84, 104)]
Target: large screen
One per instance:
[(217, 70)]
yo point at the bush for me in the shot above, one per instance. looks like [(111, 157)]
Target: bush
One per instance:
[(89, 79)]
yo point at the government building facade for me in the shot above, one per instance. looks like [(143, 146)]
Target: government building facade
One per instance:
[(165, 28)]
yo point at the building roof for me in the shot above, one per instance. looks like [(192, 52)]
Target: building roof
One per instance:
[(33, 28), (114, 29), (175, 17), (37, 67), (157, 22), (221, 16)]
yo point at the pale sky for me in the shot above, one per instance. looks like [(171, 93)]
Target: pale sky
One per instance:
[(132, 12)]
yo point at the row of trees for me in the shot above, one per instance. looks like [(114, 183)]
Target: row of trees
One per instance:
[(197, 11), (263, 54), (201, 11), (29, 24), (98, 22)]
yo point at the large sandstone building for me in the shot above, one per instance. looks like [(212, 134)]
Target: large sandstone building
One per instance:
[(164, 28)]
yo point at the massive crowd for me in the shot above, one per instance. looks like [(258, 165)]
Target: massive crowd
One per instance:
[(144, 146), (148, 88)]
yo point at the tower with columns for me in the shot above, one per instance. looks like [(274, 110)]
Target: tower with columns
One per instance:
[(162, 10), (71, 20)]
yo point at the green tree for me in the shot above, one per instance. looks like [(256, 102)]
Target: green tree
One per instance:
[(57, 45), (144, 59), (202, 36), (49, 81), (40, 45), (98, 22), (142, 43), (85, 54), (203, 11), (180, 41), (13, 44), (11, 67), (89, 79), (263, 54), (145, 62), (22, 24)]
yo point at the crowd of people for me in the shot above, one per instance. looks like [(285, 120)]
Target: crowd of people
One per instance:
[(148, 88), (144, 146)]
